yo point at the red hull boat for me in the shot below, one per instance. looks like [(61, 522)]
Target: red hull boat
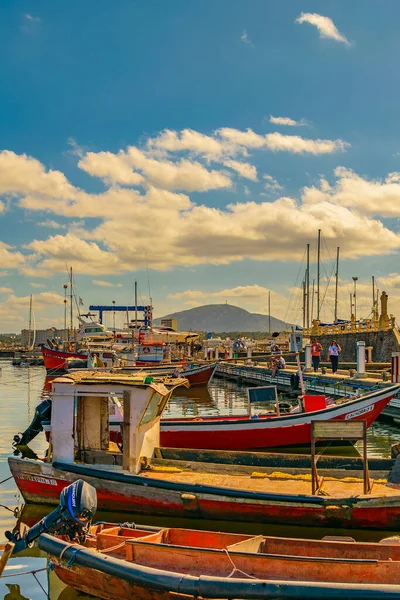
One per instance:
[(201, 375), (217, 495), (56, 360)]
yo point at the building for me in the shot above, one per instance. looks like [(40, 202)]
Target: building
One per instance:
[(42, 335), (171, 322)]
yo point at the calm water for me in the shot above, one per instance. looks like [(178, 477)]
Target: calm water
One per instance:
[(21, 390)]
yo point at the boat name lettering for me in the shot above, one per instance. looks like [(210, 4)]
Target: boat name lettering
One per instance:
[(44, 480), (361, 411)]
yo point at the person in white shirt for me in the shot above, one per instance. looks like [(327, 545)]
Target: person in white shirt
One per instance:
[(333, 355)]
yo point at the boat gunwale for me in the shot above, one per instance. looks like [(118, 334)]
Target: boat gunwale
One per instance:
[(240, 420)]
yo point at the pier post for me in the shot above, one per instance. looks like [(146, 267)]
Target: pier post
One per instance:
[(230, 351), (307, 358), (205, 348), (361, 359), (369, 353), (395, 367), (249, 350)]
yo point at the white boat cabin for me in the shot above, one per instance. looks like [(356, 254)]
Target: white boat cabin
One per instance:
[(80, 417)]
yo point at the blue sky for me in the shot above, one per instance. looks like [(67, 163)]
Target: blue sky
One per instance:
[(140, 133)]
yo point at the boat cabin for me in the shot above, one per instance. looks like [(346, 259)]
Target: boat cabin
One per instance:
[(81, 415)]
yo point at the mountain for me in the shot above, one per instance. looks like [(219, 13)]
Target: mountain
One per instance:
[(222, 317)]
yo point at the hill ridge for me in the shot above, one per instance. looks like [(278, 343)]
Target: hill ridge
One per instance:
[(223, 317)]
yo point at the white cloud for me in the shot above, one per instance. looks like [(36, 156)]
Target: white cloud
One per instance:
[(252, 297), (247, 139), (102, 283), (187, 139), (271, 184), (6, 290), (245, 39), (22, 175), (51, 224), (370, 196), (245, 170), (182, 175), (48, 308), (286, 121), (325, 26), (9, 259), (112, 168), (31, 18), (37, 285), (298, 145)]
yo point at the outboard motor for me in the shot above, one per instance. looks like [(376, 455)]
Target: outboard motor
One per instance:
[(42, 413), (73, 517)]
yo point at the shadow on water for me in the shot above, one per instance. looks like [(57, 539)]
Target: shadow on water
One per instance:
[(22, 389)]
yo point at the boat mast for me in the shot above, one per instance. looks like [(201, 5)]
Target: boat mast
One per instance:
[(30, 323), (336, 284), (135, 311), (308, 288), (373, 296), (71, 293), (269, 311), (318, 273), (312, 300), (304, 304)]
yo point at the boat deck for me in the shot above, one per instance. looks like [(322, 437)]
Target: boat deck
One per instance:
[(276, 483)]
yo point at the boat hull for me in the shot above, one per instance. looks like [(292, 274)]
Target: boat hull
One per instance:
[(232, 433), (42, 483), (199, 375), (55, 360), (214, 573)]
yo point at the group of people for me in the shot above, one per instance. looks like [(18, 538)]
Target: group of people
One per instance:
[(333, 354)]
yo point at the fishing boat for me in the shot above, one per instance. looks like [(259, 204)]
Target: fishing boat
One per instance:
[(136, 480), (123, 562), (118, 562)]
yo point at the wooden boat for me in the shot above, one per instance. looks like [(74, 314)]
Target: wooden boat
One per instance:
[(271, 430), (57, 361), (121, 562), (128, 481)]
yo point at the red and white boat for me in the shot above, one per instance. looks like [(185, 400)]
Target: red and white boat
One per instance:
[(134, 480), (56, 361), (271, 430)]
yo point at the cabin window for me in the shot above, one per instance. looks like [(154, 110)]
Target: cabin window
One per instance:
[(151, 410)]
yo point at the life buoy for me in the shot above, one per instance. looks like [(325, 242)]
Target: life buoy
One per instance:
[(198, 419), (146, 350)]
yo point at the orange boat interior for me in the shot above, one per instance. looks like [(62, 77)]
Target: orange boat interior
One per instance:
[(262, 557)]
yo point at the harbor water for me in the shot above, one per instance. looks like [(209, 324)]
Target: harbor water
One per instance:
[(22, 389)]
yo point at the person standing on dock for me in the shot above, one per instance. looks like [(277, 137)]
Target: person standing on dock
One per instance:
[(333, 355), (316, 350)]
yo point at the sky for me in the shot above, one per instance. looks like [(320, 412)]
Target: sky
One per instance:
[(197, 147)]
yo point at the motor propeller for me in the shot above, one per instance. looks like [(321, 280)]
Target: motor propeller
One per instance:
[(72, 517)]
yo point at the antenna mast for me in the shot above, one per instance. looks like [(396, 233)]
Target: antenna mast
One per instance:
[(318, 271), (71, 295), (308, 288), (30, 323), (336, 284), (269, 311)]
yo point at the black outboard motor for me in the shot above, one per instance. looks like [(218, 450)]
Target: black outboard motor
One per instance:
[(73, 517), (42, 413)]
